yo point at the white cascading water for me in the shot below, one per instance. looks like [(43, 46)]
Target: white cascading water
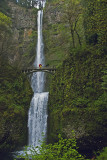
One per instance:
[(37, 116)]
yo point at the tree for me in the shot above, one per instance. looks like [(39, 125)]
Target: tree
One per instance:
[(64, 149), (73, 11), (95, 15), (5, 32)]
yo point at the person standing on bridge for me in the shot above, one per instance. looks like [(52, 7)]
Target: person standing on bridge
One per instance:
[(40, 66)]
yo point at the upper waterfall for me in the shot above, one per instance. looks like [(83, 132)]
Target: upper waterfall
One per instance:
[(39, 4), (38, 79), (33, 3)]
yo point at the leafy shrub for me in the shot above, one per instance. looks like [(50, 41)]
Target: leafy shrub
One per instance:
[(64, 149), (103, 155)]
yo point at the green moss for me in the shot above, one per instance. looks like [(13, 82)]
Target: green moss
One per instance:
[(75, 101), (15, 99)]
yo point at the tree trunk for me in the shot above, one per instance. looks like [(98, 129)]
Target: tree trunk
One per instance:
[(78, 38), (73, 41)]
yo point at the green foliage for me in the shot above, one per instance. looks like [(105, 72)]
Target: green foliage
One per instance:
[(95, 15), (103, 155), (72, 28), (5, 23), (78, 96), (64, 30), (5, 32), (104, 83), (56, 35), (77, 99), (35, 10), (29, 55), (15, 96), (64, 149), (73, 11), (4, 8), (4, 19)]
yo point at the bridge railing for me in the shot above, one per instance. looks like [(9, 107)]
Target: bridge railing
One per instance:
[(43, 67), (37, 69)]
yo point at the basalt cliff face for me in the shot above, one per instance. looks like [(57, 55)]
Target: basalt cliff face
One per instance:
[(22, 50), (56, 33)]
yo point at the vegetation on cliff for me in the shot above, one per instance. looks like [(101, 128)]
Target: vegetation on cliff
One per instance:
[(64, 149), (15, 96), (5, 34), (78, 91)]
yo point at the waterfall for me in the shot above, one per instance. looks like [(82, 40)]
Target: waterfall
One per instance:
[(37, 115)]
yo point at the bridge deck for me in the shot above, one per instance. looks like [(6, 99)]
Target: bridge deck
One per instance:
[(43, 69)]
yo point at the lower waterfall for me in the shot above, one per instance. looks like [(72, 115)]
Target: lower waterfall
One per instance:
[(37, 122)]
